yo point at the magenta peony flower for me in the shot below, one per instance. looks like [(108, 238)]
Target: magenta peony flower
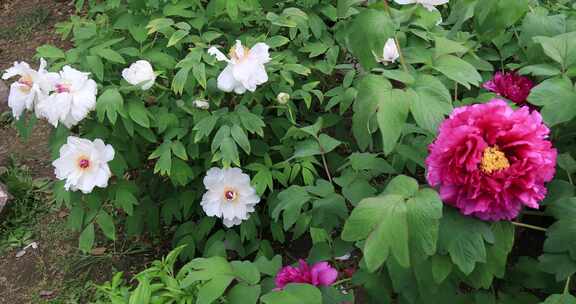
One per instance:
[(489, 160), (511, 86), (320, 274)]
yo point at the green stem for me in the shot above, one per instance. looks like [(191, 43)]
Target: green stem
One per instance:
[(567, 286), (342, 281), (528, 226)]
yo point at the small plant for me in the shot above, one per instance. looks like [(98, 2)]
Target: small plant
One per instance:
[(24, 209)]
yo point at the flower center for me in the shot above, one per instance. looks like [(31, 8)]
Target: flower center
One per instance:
[(235, 57), (84, 163), (63, 88), (26, 82), (230, 195), (493, 160)]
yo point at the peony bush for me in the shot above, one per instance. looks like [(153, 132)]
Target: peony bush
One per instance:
[(340, 152)]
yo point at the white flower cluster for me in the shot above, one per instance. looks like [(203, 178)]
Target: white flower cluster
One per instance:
[(66, 97), (69, 96)]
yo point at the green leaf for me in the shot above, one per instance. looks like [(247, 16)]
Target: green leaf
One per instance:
[(243, 294), (560, 265), (240, 138), (106, 223), (457, 70), (398, 223), (431, 103), (294, 294), (176, 37), (561, 48), (138, 113), (110, 55), (49, 51), (199, 72), (96, 66), (214, 289), (246, 271), (86, 240), (553, 94), (371, 89), (463, 238), (446, 46), (269, 267), (560, 299), (393, 108), (142, 293), (179, 150), (367, 34), (109, 104), (277, 41), (291, 202)]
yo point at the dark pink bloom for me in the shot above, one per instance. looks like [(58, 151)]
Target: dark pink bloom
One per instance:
[(490, 160), (320, 274), (511, 86)]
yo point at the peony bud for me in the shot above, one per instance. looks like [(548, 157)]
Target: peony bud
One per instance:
[(390, 52), (283, 98), (140, 73), (201, 104)]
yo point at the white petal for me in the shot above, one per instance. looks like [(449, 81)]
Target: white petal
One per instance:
[(226, 81), (213, 51), (404, 2), (239, 49), (19, 100), (259, 52), (250, 74)]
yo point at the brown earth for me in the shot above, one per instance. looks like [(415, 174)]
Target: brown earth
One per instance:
[(38, 275), (14, 16)]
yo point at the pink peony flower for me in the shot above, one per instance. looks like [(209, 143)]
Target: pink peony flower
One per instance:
[(511, 86), (320, 274), (490, 160)]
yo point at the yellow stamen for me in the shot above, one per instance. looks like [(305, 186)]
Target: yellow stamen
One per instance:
[(233, 55), (493, 160)]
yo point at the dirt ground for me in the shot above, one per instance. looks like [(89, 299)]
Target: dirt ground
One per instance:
[(34, 277)]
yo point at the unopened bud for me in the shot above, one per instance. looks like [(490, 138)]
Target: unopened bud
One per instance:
[(201, 104), (283, 98)]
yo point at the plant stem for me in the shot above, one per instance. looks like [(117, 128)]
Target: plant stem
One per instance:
[(325, 163), (567, 286), (347, 280), (528, 226), (538, 213)]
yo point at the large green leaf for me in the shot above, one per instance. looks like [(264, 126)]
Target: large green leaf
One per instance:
[(457, 70), (371, 89), (398, 223), (294, 294), (462, 237), (368, 32), (431, 103), (109, 104), (393, 110), (554, 94), (561, 48)]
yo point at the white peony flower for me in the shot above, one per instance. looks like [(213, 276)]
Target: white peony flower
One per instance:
[(32, 86), (83, 164), (230, 195), (140, 73), (390, 52), (201, 104), (73, 98), (283, 98), (428, 4), (245, 70)]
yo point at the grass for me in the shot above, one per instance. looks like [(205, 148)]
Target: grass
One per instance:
[(26, 24), (24, 209)]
